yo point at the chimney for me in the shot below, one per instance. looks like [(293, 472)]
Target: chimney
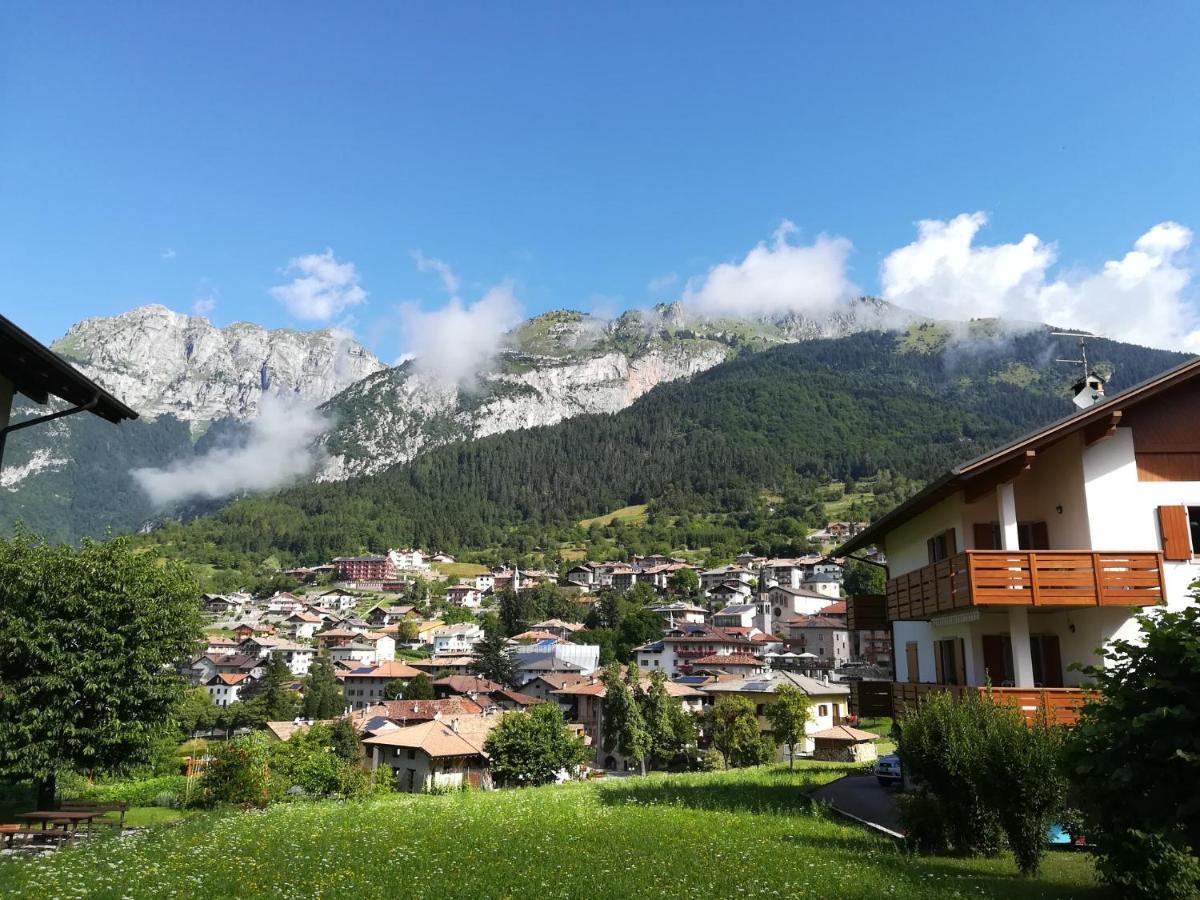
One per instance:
[(454, 725), (1089, 390)]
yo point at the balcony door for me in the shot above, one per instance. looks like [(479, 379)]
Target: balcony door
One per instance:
[(998, 660), (1047, 660), (1030, 536)]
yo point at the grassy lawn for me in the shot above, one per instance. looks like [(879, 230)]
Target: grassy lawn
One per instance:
[(461, 569), (633, 515), (748, 833)]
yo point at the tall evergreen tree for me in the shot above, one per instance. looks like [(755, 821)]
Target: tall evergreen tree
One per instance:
[(656, 705), (271, 697), (494, 661), (322, 693)]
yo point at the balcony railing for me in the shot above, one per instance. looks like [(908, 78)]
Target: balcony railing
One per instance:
[(1061, 705), (1035, 578)]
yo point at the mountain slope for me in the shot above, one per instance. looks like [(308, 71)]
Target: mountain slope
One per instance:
[(193, 385), (783, 421), (553, 367)]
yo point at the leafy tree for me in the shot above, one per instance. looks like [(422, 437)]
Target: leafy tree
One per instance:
[(641, 593), (491, 625), (420, 688), (788, 713), (89, 642), (733, 729), (395, 689), (864, 578), (657, 708), (344, 741), (455, 615), (517, 611), (531, 748), (685, 583), (685, 731), (272, 697), (624, 726), (636, 629), (323, 697), (1134, 760), (196, 711), (494, 661), (238, 772), (407, 631)]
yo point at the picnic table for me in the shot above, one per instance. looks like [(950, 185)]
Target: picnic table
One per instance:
[(65, 823)]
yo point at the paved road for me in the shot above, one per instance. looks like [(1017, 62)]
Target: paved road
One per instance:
[(862, 796)]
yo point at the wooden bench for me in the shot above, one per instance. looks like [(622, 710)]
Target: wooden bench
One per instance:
[(34, 835), (120, 807)]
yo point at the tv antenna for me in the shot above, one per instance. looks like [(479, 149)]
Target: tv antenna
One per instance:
[(1082, 349), (1090, 387)]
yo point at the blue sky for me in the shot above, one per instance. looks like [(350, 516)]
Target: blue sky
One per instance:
[(580, 154)]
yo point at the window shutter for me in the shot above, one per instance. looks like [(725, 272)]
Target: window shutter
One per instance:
[(914, 661), (938, 670), (985, 536), (1172, 521), (960, 662)]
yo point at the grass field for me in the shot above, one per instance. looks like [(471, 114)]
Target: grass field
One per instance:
[(632, 515), (461, 569), (747, 833)]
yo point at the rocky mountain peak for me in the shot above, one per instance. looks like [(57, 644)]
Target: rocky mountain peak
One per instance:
[(163, 362)]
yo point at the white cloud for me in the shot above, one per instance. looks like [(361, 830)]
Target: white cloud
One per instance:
[(455, 342), (428, 264), (660, 283), (1140, 298), (204, 305), (776, 278), (322, 289), (168, 253), (276, 451)]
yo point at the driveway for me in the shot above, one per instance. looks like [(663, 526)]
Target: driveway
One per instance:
[(864, 798)]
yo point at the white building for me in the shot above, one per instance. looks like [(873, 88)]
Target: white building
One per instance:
[(1017, 564), (456, 639), (829, 701), (409, 560), (226, 688)]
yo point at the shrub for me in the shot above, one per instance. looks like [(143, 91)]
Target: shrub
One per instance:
[(924, 823), (238, 774), (712, 761), (1133, 758), (941, 746), (140, 792)]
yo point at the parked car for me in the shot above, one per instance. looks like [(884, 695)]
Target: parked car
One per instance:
[(887, 770)]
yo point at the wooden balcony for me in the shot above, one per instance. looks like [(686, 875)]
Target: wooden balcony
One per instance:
[(1055, 579), (1061, 705)]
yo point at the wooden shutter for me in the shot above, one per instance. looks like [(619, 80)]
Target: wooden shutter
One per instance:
[(985, 536), (1172, 521), (939, 672), (1052, 668), (960, 662), (914, 661)]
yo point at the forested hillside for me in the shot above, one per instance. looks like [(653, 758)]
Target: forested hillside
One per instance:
[(744, 448)]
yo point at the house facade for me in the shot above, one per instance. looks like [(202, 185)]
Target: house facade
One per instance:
[(1018, 564)]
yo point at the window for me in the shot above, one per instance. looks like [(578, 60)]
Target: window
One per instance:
[(412, 753), (822, 710), (941, 546), (948, 659), (1193, 516)]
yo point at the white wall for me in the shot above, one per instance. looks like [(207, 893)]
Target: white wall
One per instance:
[(905, 546), (1123, 511)]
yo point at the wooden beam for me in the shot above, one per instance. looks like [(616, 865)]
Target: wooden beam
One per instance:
[(1101, 428), (980, 487)]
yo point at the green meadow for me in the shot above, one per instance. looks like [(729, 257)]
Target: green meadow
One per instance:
[(745, 833)]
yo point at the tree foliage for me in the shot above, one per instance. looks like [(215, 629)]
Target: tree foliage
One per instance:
[(789, 712), (494, 660), (90, 639), (532, 748), (1134, 758), (323, 697), (733, 729), (624, 726)]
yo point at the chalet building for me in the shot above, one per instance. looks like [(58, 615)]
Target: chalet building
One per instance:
[(225, 688), (434, 754), (826, 638), (1017, 564), (365, 568), (796, 601), (365, 686), (676, 653), (679, 613), (829, 701)]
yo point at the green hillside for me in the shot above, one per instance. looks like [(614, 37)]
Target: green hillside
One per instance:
[(744, 833), (786, 421)]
